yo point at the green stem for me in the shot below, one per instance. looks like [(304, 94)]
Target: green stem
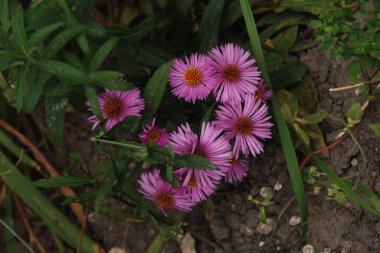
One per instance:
[(117, 143)]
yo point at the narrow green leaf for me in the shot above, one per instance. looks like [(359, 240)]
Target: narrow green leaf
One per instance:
[(103, 191), (371, 196), (40, 34), (43, 208), (132, 34), (355, 112), (82, 9), (8, 219), (93, 99), (312, 6), (315, 118), (195, 162), (83, 43), (55, 117), (36, 87), (110, 79), (302, 135), (63, 70), (209, 28), (4, 15), (375, 128), (6, 59), (60, 40), (286, 141), (7, 143), (156, 245), (155, 88), (57, 182), (21, 86), (344, 186), (18, 27), (101, 55)]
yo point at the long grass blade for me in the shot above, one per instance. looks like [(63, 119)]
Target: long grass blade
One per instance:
[(286, 141)]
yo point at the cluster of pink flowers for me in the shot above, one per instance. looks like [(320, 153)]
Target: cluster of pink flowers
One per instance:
[(242, 124)]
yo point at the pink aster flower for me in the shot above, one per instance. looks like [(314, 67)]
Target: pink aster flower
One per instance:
[(153, 134), (155, 189), (199, 184), (192, 79), (248, 123), (262, 93), (117, 105), (235, 73), (238, 170)]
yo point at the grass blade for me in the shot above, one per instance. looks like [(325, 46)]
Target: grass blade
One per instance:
[(286, 141), (42, 207), (209, 27), (8, 219)]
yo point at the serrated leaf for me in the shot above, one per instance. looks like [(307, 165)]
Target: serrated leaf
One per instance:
[(315, 118), (102, 54), (195, 162), (57, 182), (55, 116), (355, 112), (63, 71), (375, 128), (60, 40), (209, 27), (155, 88), (40, 34)]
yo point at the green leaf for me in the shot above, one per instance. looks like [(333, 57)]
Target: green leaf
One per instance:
[(286, 141), (57, 182), (101, 55), (8, 219), (36, 87), (273, 61), (354, 72), (155, 88), (344, 186), (42, 207), (285, 40), (82, 9), (6, 59), (355, 112), (193, 162), (103, 191), (302, 135), (262, 216), (156, 245), (40, 34), (63, 71), (209, 27), (55, 116), (60, 40), (110, 79), (21, 86), (315, 118), (93, 99), (4, 15), (288, 75), (18, 27), (312, 6), (375, 128), (370, 195), (133, 34)]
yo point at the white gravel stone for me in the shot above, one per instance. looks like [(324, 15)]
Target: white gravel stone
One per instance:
[(326, 250), (117, 250), (188, 244), (354, 162), (277, 187), (265, 229), (308, 249), (266, 191), (261, 244), (295, 221)]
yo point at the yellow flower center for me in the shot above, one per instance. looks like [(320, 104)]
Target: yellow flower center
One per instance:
[(164, 200), (192, 77), (153, 136)]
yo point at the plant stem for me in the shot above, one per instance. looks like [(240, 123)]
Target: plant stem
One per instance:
[(116, 143)]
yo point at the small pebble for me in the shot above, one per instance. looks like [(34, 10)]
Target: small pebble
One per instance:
[(326, 250), (266, 191), (354, 162), (295, 221), (188, 244), (265, 229), (117, 250), (308, 249), (261, 244), (277, 186)]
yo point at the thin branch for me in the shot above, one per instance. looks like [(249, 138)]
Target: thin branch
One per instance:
[(17, 236)]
